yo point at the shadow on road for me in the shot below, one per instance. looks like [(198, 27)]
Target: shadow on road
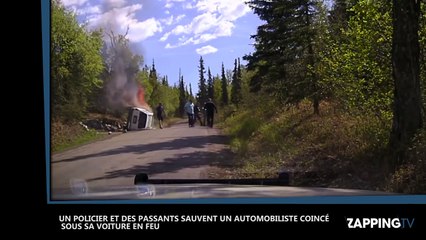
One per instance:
[(171, 165), (186, 142)]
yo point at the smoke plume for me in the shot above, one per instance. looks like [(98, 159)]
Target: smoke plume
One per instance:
[(122, 89)]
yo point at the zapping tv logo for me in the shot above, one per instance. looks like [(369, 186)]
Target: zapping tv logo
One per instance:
[(380, 222)]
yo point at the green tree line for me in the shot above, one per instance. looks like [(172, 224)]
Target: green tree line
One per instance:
[(350, 54), (96, 71), (365, 57)]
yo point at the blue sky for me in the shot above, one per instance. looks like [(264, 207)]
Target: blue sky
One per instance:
[(175, 33)]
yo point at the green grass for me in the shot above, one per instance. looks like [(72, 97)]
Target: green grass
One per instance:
[(77, 140), (341, 149), (69, 135), (241, 128), (410, 177)]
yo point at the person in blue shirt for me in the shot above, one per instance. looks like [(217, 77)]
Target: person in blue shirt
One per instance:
[(189, 109)]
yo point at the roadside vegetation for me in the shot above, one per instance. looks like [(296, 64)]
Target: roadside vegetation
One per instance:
[(331, 121), (67, 136), (333, 149), (86, 103), (72, 134)]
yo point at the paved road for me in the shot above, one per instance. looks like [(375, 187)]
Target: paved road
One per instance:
[(175, 152)]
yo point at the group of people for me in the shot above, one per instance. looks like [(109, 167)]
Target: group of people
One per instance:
[(193, 112)]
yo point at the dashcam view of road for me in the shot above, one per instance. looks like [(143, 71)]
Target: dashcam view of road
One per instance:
[(178, 152), (332, 93)]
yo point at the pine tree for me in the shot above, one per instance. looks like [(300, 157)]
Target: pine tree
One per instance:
[(339, 17), (239, 73), (236, 84), (210, 87), (407, 117), (182, 95), (285, 57), (165, 81), (224, 87), (153, 78), (202, 91), (155, 97)]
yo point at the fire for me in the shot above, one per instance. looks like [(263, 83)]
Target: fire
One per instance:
[(141, 96)]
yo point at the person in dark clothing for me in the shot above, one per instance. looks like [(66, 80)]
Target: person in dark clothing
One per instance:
[(160, 114), (197, 114), (210, 109)]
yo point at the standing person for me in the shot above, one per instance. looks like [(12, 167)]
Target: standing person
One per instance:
[(204, 115), (210, 110), (189, 109), (160, 114), (197, 114)]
